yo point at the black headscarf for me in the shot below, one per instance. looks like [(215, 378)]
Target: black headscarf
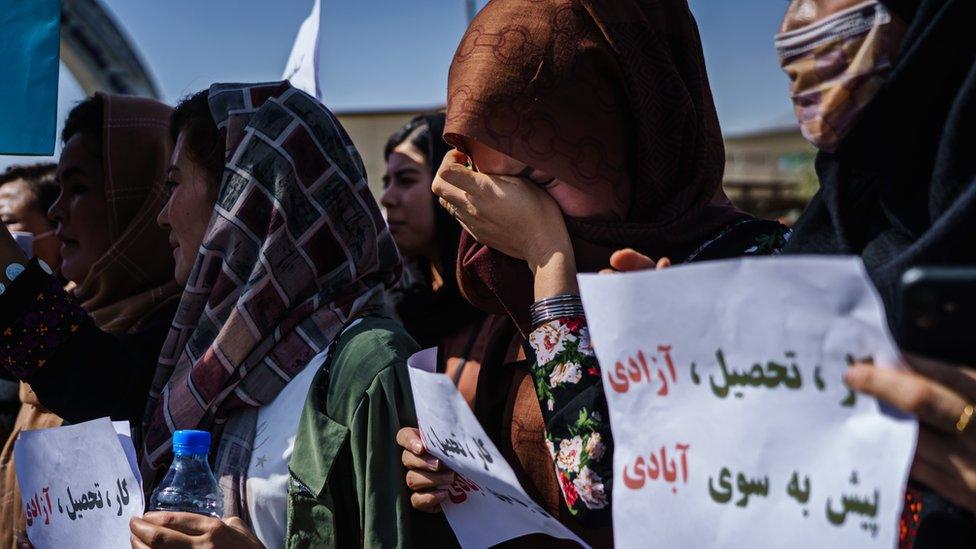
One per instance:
[(901, 189), (427, 315)]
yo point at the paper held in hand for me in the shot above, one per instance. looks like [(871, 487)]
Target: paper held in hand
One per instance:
[(80, 484), (732, 424), (486, 503)]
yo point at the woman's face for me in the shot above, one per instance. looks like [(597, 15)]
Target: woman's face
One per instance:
[(188, 210), (19, 209), (81, 211), (802, 13), (587, 203), (408, 201)]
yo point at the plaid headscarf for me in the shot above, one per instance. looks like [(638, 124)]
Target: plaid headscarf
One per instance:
[(296, 247), (127, 285)]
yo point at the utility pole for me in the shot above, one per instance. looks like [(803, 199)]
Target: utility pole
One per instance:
[(471, 10)]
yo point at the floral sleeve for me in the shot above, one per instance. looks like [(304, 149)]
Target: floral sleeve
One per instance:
[(570, 390)]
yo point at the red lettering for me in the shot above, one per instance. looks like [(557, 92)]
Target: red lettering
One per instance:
[(637, 369), (635, 482), (656, 466), (621, 384), (457, 492)]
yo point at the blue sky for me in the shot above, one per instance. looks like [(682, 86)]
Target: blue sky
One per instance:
[(379, 54)]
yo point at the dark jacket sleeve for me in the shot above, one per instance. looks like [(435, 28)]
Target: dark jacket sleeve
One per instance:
[(78, 371)]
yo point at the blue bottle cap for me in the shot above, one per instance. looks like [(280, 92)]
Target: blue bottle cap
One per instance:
[(189, 442)]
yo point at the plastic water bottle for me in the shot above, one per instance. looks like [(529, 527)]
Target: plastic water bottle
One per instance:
[(189, 485)]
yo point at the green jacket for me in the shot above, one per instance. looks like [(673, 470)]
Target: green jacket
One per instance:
[(347, 486)]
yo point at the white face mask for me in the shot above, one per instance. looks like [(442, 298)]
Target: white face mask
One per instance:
[(42, 236), (26, 242)]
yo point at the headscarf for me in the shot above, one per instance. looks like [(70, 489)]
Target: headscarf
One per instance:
[(430, 315), (612, 96), (295, 249), (135, 276), (901, 189)]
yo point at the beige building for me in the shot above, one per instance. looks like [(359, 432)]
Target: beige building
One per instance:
[(766, 172), (770, 172), (369, 131)]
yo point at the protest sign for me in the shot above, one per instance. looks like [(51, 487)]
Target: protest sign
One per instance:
[(124, 431), (486, 505), (29, 48), (732, 425), (78, 484)]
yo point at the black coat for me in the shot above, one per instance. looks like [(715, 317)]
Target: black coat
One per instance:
[(901, 189)]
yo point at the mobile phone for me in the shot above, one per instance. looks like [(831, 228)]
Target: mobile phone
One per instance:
[(939, 313)]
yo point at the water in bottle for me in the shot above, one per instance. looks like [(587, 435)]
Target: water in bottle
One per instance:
[(189, 485)]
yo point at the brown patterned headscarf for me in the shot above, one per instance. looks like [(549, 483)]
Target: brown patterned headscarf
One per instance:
[(607, 95), (135, 276)]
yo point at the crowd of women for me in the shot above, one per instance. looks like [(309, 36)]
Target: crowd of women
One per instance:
[(223, 266)]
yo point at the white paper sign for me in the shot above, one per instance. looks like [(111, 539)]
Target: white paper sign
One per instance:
[(124, 432), (732, 425), (78, 485), (302, 69), (486, 503)]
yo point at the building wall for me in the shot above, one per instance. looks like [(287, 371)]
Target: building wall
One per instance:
[(369, 132), (778, 155), (766, 172), (770, 173)]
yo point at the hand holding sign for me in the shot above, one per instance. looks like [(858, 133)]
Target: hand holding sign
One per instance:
[(485, 504), (728, 407), (942, 395), (78, 485), (425, 473)]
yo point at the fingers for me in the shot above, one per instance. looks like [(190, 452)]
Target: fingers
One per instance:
[(188, 523), (428, 502), (961, 378), (420, 480), (663, 263), (449, 194), (452, 157), (630, 260), (409, 439), (457, 209), (934, 404), (935, 448), (454, 175), (425, 473), (951, 478), (237, 524), (422, 462), (149, 534)]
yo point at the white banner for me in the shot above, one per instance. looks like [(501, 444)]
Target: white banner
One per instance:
[(732, 425), (302, 69), (79, 484), (486, 504)]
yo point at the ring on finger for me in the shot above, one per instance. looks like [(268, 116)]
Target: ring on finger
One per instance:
[(964, 417)]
